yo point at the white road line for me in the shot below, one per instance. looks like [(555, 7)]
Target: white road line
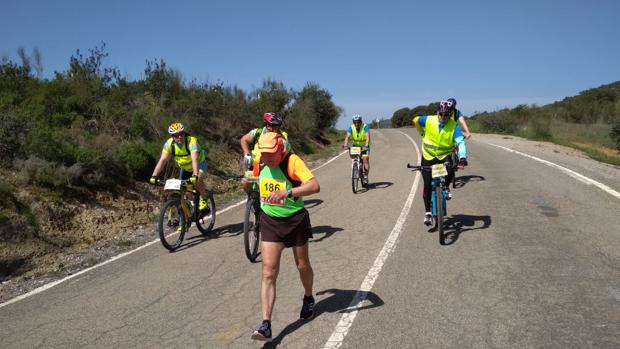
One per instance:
[(567, 171), (54, 283), (343, 326)]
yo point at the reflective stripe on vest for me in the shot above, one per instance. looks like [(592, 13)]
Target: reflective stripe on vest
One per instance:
[(437, 144), (358, 139)]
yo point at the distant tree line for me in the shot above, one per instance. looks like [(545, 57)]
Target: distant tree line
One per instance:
[(404, 116), (90, 126)]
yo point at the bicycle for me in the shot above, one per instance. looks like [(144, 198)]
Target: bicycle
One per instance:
[(439, 207), (251, 218), (180, 209), (358, 174)]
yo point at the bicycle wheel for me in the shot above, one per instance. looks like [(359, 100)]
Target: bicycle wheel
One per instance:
[(355, 174), (205, 219), (172, 224), (251, 229), (439, 201)]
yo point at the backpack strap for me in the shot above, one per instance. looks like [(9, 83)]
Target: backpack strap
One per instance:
[(186, 146)]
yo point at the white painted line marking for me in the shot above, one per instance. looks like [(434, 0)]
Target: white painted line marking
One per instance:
[(346, 321), (54, 283), (578, 176)]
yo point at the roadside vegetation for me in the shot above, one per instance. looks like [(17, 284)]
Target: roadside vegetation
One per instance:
[(589, 122), (88, 138)]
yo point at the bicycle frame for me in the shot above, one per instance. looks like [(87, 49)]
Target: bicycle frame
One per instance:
[(438, 182)]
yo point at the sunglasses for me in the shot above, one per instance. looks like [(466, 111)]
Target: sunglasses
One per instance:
[(175, 135)]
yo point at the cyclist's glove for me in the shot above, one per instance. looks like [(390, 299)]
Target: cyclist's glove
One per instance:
[(463, 162), (193, 179), (154, 180), (247, 160)]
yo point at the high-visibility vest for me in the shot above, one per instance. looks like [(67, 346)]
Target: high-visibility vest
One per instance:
[(437, 144), (358, 136)]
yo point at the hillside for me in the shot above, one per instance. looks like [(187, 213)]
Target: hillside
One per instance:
[(77, 149)]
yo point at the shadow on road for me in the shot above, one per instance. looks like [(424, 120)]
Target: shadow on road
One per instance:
[(328, 230), (379, 185), (455, 225), (312, 203), (197, 238), (460, 181), (339, 301)]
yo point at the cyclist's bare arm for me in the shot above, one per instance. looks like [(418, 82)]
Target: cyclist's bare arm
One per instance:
[(346, 140), (160, 164), (245, 142), (463, 123), (195, 156)]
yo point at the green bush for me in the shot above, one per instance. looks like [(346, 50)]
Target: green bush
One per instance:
[(498, 123), (541, 127), (137, 160), (615, 135)]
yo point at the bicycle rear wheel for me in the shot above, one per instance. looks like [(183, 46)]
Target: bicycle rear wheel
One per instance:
[(355, 177), (439, 201), (172, 224), (251, 229), (205, 219)]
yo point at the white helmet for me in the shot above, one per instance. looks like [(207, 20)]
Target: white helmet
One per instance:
[(357, 117), (176, 128)]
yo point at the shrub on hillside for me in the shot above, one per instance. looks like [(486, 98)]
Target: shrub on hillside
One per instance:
[(498, 123), (615, 135), (137, 159)]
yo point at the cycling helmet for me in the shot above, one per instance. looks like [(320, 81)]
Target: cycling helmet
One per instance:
[(445, 108), (453, 102), (357, 117), (273, 119), (176, 128)]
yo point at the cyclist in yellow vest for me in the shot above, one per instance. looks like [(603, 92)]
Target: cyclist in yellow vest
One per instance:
[(456, 115), (273, 123), (284, 222), (441, 132), (189, 156), (359, 134)]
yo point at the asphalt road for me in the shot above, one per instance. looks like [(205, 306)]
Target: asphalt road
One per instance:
[(532, 261)]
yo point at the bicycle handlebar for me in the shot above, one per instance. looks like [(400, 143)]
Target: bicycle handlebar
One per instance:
[(420, 167)]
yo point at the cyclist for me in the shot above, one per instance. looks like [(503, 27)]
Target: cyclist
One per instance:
[(441, 132), (458, 116), (284, 222), (273, 123), (455, 114), (359, 134), (189, 156)]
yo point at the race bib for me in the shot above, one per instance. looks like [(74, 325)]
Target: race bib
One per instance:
[(439, 170), (356, 150), (173, 184), (268, 185)]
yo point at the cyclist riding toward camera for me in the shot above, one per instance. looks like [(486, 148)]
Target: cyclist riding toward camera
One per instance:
[(189, 156), (359, 134), (273, 123), (455, 115), (441, 133)]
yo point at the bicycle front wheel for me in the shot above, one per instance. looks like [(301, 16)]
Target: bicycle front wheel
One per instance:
[(251, 230), (172, 224), (439, 201), (205, 218), (355, 177)]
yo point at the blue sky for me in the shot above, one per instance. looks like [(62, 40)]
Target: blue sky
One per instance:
[(373, 56)]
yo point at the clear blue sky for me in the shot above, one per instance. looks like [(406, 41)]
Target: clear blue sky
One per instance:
[(373, 56)]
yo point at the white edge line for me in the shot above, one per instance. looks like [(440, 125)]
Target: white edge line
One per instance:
[(567, 171), (54, 283), (346, 321)]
